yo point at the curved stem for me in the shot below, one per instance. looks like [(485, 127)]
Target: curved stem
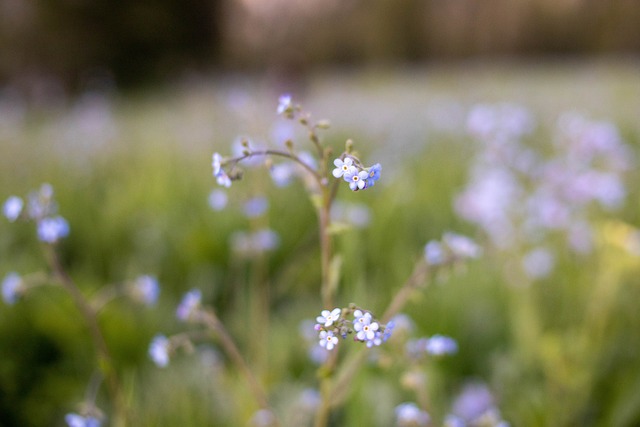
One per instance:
[(105, 361), (279, 153), (215, 325)]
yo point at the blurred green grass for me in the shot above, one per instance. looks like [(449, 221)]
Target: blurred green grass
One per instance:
[(133, 182)]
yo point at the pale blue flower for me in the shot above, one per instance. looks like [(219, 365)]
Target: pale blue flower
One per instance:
[(263, 418), (409, 414), (12, 208), (218, 200), (365, 328), (374, 174), (343, 167), (538, 263), (255, 207), (388, 330), (159, 350), (434, 253), (328, 340), (440, 345), (378, 338), (75, 420), (189, 304), (52, 229), (11, 288), (265, 240), (327, 318), (357, 180), (146, 289), (282, 174), (461, 246)]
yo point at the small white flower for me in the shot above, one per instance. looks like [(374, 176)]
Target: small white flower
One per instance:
[(223, 179), (328, 317), (364, 327), (12, 208), (328, 340), (343, 167), (284, 104), (216, 163)]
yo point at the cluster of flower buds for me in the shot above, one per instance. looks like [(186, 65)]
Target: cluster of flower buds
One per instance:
[(335, 323), (42, 209), (352, 171)]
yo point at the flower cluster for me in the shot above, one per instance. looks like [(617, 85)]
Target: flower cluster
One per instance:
[(333, 324), (41, 208), (520, 194), (453, 247), (352, 171)]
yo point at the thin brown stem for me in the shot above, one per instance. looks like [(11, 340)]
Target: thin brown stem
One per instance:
[(215, 325), (290, 156)]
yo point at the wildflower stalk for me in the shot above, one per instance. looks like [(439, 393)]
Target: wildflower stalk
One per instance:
[(214, 324), (105, 361)]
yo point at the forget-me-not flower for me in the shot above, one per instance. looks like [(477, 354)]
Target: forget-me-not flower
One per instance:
[(11, 287), (159, 350), (52, 229), (12, 208), (146, 289), (343, 167), (374, 174), (327, 318), (76, 420), (440, 345), (328, 340), (357, 180), (189, 304), (409, 414)]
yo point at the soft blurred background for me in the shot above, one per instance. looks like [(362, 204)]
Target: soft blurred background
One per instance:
[(516, 123)]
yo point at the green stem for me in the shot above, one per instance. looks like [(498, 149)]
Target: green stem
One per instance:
[(105, 361)]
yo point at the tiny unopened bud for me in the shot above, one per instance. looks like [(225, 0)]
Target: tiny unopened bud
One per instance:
[(348, 146), (289, 144), (323, 124), (245, 142)]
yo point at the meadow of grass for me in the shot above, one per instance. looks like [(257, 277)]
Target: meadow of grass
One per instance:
[(132, 175)]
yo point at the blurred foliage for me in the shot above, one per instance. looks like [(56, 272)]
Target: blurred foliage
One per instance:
[(46, 46), (134, 186)]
